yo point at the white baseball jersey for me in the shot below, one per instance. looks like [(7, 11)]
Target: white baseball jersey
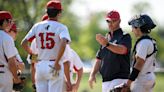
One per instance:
[(48, 34), (143, 48), (8, 49)]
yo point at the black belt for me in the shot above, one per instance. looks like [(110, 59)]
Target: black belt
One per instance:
[(148, 72), (2, 72), (2, 65)]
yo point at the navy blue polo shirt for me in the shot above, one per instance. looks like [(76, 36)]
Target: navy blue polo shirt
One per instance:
[(115, 66)]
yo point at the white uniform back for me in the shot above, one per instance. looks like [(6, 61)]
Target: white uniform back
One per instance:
[(143, 48), (48, 34), (7, 47), (34, 48)]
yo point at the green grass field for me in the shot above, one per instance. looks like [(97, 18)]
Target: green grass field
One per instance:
[(84, 87)]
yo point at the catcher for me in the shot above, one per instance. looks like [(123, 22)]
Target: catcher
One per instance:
[(142, 77)]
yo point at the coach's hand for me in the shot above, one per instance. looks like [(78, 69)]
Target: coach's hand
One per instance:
[(101, 39), (57, 66), (92, 79)]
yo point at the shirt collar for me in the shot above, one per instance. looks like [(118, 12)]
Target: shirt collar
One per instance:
[(117, 32)]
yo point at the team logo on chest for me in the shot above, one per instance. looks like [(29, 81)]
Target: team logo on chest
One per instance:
[(47, 27)]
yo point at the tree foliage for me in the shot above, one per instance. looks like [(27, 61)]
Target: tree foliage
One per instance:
[(28, 12)]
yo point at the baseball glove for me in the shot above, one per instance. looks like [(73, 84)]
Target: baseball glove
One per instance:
[(19, 86), (121, 88), (33, 57), (34, 87)]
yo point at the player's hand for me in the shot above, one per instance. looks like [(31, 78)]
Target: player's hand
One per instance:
[(125, 88), (69, 86), (91, 80), (57, 66), (75, 87), (53, 71), (101, 39)]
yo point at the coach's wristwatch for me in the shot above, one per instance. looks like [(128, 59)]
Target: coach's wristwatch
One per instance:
[(107, 44)]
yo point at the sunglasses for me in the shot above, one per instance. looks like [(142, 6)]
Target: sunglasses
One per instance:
[(111, 22)]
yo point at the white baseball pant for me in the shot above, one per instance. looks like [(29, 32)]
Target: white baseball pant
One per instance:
[(107, 86), (45, 81), (144, 83), (6, 80)]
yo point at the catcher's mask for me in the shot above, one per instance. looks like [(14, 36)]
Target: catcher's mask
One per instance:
[(142, 20)]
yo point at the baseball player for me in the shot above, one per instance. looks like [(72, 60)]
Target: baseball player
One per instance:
[(33, 59), (13, 33), (142, 78), (51, 39), (76, 65), (8, 52)]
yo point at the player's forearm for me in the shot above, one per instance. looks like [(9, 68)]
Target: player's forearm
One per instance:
[(33, 72), (79, 76), (95, 68), (67, 71), (139, 63), (116, 48), (25, 46), (61, 50), (13, 67)]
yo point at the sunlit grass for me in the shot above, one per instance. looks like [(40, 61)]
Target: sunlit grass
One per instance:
[(84, 87)]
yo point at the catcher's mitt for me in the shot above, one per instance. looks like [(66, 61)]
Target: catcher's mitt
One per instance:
[(121, 88), (19, 86)]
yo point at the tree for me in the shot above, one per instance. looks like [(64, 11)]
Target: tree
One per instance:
[(87, 42)]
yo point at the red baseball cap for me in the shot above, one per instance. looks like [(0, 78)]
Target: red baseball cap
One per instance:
[(45, 17), (5, 15), (54, 4), (113, 15)]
